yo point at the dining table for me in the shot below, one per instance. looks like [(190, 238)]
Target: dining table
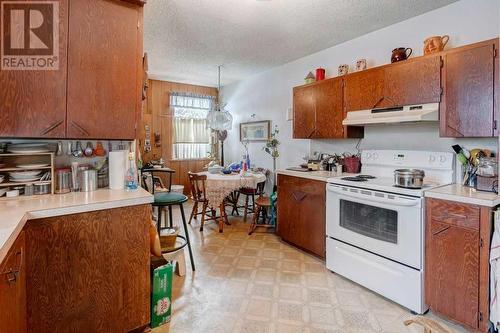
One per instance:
[(218, 186)]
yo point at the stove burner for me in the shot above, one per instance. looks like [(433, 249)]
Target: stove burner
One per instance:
[(355, 179), (366, 176)]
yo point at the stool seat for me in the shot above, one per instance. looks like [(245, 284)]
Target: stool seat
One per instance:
[(169, 198), (263, 202)]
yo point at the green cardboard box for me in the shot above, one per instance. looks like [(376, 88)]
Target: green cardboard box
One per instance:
[(161, 295)]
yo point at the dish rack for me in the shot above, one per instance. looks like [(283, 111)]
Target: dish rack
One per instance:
[(9, 162)]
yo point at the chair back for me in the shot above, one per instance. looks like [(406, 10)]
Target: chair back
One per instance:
[(153, 177), (260, 188), (197, 185)]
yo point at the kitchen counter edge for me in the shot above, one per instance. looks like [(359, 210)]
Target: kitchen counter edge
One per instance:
[(15, 212), (464, 194), (322, 176)]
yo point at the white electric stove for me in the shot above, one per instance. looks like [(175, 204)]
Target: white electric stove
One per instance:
[(375, 230)]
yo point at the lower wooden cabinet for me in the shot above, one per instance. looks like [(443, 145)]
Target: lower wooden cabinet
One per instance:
[(85, 272), (13, 288), (301, 213), (457, 262)]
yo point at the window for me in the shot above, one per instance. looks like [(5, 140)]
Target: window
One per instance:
[(191, 137)]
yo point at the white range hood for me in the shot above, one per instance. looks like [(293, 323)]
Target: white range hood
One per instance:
[(399, 114)]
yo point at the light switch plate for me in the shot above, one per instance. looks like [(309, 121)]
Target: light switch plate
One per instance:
[(289, 114)]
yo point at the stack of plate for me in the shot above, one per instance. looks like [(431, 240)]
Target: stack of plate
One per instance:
[(2, 177), (25, 176), (28, 148)]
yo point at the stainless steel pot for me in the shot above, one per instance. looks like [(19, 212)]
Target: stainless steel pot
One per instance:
[(409, 178)]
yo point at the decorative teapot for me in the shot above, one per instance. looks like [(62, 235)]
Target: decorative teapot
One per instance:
[(400, 54), (435, 44)]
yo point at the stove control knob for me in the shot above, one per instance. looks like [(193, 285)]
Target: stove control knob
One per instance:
[(368, 156), (375, 156), (432, 158), (442, 158)]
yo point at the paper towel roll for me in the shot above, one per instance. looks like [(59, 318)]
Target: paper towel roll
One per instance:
[(117, 169)]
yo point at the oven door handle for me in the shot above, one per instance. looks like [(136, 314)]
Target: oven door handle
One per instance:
[(395, 202)]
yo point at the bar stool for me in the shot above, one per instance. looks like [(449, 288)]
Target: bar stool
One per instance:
[(151, 178), (262, 204)]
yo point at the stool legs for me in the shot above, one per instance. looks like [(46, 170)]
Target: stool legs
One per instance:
[(186, 231), (253, 225), (158, 224), (170, 218)]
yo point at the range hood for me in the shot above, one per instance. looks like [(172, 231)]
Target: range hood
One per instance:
[(398, 114)]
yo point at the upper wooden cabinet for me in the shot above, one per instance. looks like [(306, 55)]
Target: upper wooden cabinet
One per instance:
[(95, 93), (304, 112), (413, 81), (467, 109), (33, 102), (364, 90), (318, 111), (102, 69)]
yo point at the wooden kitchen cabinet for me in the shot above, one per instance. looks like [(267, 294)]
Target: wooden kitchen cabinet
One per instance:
[(33, 102), (13, 288), (89, 272), (414, 81), (104, 37), (302, 213), (467, 108), (319, 112), (364, 90), (457, 262), (304, 112)]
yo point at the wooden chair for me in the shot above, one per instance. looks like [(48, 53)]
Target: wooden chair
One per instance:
[(249, 193), (262, 204), (429, 325), (166, 199), (197, 185)]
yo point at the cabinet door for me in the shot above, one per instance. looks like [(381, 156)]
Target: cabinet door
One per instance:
[(467, 105), (102, 69), (286, 208), (304, 118), (13, 289), (329, 109), (311, 218), (452, 272), (413, 81), (364, 90), (33, 102)]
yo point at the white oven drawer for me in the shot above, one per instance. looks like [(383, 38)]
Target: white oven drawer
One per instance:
[(394, 281), (388, 225)]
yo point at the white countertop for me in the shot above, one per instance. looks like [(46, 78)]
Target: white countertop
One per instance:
[(14, 212), (314, 175), (460, 193)]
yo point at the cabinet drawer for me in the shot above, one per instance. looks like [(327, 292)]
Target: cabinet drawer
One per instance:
[(454, 213)]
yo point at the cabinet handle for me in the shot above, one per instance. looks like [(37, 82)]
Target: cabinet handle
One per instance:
[(51, 127), (80, 128), (13, 273), (299, 196)]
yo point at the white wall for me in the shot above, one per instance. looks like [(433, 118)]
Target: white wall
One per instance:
[(269, 94)]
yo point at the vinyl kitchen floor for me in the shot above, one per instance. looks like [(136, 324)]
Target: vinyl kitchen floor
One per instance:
[(259, 284)]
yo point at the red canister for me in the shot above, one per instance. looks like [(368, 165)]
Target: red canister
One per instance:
[(320, 74)]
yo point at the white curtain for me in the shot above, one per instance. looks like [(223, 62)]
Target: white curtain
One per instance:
[(191, 135)]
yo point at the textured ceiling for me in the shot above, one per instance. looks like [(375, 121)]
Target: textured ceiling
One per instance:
[(187, 39)]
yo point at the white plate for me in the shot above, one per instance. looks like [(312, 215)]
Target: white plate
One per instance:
[(25, 180), (3, 191), (2, 177), (24, 174), (33, 151), (32, 166)]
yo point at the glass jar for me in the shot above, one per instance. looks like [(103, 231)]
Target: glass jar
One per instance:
[(487, 167)]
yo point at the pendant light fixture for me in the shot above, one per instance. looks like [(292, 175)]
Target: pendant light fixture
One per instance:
[(218, 118)]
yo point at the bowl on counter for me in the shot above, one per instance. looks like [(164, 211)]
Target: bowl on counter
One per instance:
[(215, 169)]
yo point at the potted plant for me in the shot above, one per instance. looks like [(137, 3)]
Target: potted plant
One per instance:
[(271, 148)]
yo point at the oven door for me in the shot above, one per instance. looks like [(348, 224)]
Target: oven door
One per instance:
[(386, 224)]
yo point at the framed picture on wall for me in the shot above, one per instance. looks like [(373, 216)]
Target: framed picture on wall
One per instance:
[(255, 131)]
